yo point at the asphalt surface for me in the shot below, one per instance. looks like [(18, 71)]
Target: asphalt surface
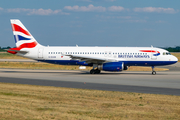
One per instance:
[(167, 82)]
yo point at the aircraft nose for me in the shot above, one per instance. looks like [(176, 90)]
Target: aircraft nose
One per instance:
[(175, 58)]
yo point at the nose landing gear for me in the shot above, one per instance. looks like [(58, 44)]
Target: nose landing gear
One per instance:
[(153, 71)]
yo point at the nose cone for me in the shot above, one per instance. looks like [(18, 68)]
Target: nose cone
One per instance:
[(174, 59)]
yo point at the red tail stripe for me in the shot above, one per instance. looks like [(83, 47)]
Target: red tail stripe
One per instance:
[(20, 29), (25, 45), (12, 52)]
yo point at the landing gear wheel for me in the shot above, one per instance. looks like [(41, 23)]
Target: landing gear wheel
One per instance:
[(153, 72), (95, 71), (92, 71)]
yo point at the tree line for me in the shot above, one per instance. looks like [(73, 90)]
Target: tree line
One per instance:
[(173, 49), (3, 49)]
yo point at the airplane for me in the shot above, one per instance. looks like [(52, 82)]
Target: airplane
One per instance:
[(113, 59)]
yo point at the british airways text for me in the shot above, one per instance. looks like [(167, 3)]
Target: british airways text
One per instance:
[(133, 56)]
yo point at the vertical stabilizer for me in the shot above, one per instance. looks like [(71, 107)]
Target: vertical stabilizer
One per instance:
[(22, 36)]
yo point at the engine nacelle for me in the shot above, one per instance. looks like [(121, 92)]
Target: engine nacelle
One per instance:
[(112, 66)]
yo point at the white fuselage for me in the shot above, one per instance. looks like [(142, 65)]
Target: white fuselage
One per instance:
[(101, 58), (131, 56)]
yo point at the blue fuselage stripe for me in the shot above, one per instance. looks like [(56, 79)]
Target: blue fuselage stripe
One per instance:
[(126, 63)]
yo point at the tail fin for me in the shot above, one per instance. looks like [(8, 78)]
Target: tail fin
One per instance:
[(22, 36)]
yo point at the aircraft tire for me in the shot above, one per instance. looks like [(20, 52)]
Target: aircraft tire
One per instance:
[(98, 71), (92, 71), (153, 72)]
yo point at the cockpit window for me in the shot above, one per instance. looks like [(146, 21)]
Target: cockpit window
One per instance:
[(166, 53)]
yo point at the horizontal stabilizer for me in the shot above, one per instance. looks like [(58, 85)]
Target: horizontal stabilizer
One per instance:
[(16, 51)]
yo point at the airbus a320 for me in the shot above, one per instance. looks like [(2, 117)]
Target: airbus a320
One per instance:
[(100, 58)]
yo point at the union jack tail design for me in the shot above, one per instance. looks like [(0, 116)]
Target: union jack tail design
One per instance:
[(22, 36)]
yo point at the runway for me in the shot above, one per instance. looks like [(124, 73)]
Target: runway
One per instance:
[(167, 82)]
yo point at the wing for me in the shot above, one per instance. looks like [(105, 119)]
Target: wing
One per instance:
[(90, 59)]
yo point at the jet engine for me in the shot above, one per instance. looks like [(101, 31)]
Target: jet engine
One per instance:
[(112, 66)]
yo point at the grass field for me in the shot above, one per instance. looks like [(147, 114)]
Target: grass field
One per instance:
[(5, 55), (177, 55), (20, 102)]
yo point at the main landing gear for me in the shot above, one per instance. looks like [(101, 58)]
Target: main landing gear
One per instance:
[(94, 71), (153, 71)]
